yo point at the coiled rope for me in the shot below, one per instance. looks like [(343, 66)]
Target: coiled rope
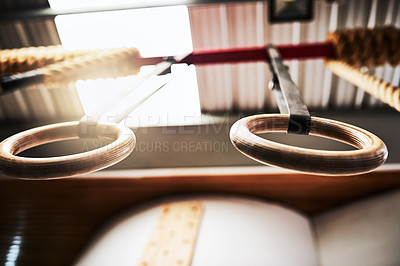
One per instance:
[(367, 47), (27, 67), (379, 88), (356, 48), (24, 59), (109, 63)]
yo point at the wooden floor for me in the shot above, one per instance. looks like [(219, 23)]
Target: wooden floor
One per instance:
[(49, 222)]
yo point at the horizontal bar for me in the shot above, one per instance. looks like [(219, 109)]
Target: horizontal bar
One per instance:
[(220, 56), (252, 54), (306, 51)]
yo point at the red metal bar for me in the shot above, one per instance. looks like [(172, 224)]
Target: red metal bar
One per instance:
[(148, 61), (252, 54), (234, 55), (307, 51)]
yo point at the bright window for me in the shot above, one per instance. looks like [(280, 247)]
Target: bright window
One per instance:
[(161, 31)]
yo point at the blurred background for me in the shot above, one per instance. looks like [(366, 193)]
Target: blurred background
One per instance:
[(201, 104), (182, 131)]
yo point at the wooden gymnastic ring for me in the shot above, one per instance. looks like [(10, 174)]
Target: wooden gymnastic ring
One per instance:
[(63, 166), (371, 153)]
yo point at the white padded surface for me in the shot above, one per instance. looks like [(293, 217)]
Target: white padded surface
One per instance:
[(233, 232), (363, 233)]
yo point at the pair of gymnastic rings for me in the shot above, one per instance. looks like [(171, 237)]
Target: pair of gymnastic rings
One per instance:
[(371, 152)]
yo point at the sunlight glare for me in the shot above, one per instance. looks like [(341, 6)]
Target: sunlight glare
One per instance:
[(161, 31)]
